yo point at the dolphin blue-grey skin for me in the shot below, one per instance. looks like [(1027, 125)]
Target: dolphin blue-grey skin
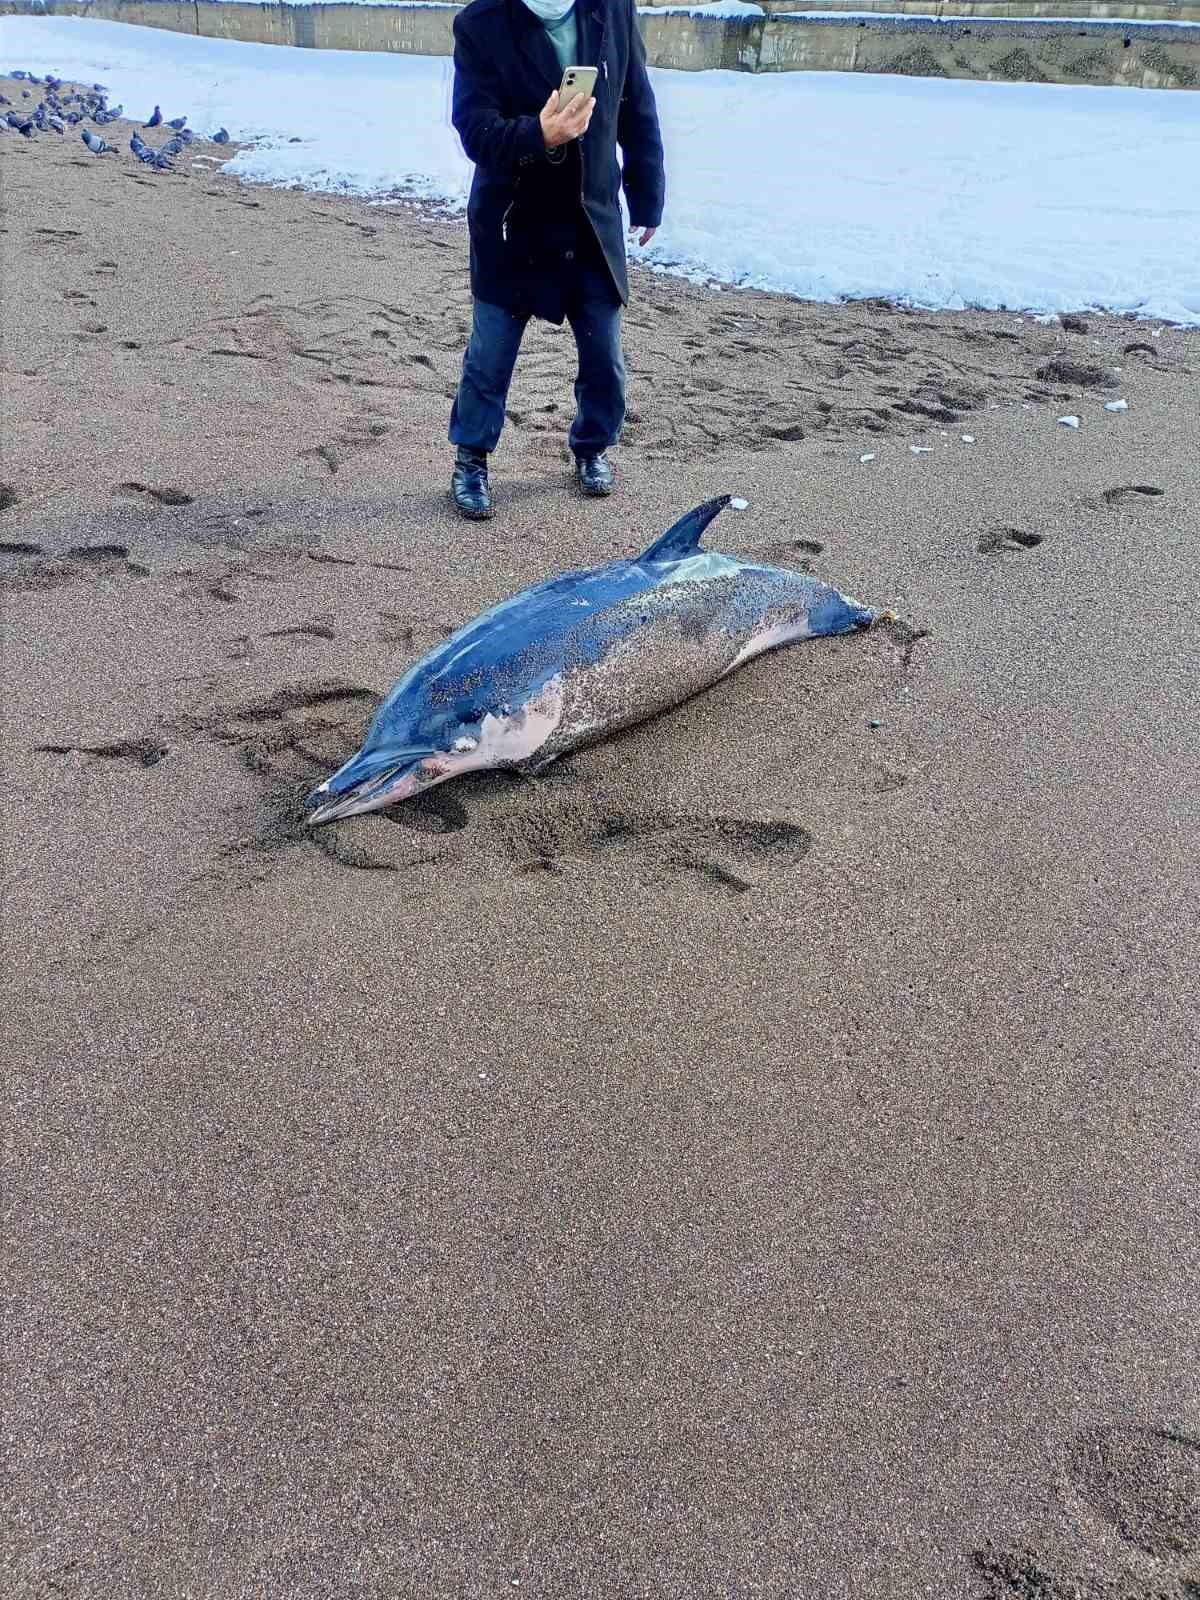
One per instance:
[(573, 659)]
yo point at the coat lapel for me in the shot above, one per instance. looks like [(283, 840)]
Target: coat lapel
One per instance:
[(589, 19), (534, 46), (537, 50)]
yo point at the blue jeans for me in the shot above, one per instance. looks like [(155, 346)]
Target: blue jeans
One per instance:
[(477, 415)]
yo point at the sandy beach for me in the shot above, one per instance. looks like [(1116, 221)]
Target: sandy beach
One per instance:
[(760, 1157)]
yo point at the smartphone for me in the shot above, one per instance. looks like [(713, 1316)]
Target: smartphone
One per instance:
[(576, 81)]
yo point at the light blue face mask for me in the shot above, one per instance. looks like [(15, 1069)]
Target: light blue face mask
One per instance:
[(549, 10)]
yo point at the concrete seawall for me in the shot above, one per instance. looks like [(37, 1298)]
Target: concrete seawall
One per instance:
[(962, 42)]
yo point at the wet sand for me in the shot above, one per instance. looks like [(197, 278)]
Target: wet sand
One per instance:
[(758, 1158)]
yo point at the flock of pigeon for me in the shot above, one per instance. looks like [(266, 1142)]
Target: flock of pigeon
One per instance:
[(56, 112)]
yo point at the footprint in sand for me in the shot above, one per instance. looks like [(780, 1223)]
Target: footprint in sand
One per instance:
[(1145, 1482), (1141, 1483), (728, 853), (63, 238), (360, 433), (162, 496), (323, 458), (142, 752), (998, 539), (97, 552), (1131, 491), (314, 628), (40, 570), (792, 547)]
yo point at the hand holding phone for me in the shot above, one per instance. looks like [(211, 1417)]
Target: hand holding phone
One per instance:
[(567, 112), (576, 81)]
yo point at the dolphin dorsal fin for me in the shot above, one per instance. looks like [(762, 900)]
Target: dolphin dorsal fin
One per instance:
[(682, 538)]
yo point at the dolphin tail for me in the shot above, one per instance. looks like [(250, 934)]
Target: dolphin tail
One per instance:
[(683, 537)]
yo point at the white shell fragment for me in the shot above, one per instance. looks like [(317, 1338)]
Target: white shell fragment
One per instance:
[(1116, 405), (1069, 422)]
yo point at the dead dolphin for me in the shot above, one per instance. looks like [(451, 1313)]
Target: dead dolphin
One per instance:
[(573, 659)]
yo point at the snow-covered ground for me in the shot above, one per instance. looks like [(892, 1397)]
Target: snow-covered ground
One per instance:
[(826, 185)]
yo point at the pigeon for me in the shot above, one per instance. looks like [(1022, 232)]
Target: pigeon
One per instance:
[(155, 119), (186, 135), (220, 137), (57, 124), (158, 159), (96, 144), (23, 127), (4, 100), (172, 147), (24, 94), (19, 73), (53, 82), (100, 88), (74, 117), (177, 123)]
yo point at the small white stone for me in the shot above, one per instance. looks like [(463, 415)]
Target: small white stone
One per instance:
[(1069, 422), (920, 449), (968, 438), (1116, 405), (870, 456), (738, 503)]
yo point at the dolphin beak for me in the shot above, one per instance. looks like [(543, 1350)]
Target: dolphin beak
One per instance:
[(376, 793)]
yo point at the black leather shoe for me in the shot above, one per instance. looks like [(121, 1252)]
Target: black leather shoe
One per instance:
[(469, 484), (594, 474)]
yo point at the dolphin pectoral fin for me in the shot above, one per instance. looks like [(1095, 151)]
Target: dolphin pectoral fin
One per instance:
[(533, 766), (682, 538)]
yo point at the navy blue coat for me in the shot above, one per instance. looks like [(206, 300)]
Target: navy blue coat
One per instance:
[(524, 212)]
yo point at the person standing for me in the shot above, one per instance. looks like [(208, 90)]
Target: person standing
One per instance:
[(544, 213)]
